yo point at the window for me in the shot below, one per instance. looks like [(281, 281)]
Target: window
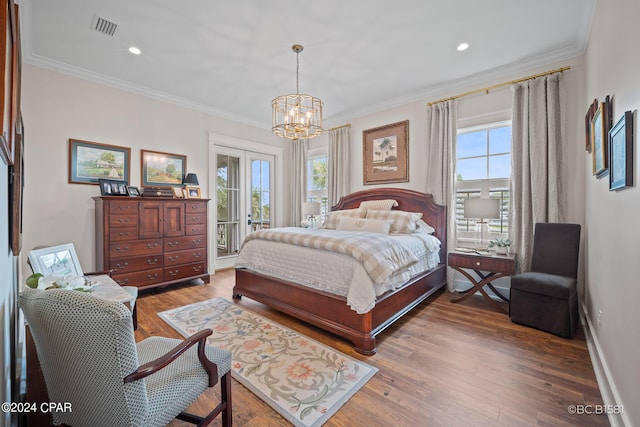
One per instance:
[(483, 169), (317, 182)]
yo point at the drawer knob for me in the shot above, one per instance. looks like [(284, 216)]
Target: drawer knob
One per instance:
[(124, 233), (478, 263), (152, 261), (172, 244), (173, 258), (196, 241), (152, 245), (118, 265), (123, 249), (173, 273), (124, 207), (152, 276), (196, 254)]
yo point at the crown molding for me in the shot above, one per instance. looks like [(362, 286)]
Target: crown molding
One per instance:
[(94, 77)]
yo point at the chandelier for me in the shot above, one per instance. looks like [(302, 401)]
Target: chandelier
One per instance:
[(296, 116)]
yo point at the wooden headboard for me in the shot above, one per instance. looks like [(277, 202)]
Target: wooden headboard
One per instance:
[(408, 200)]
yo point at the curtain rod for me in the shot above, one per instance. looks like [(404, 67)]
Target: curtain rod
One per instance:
[(488, 88), (348, 125)]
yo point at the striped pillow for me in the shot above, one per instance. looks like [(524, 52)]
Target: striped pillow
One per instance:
[(403, 222), (333, 218), (380, 205)]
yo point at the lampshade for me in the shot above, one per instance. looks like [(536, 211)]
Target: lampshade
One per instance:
[(191, 179), (311, 208), (482, 208), (296, 116)]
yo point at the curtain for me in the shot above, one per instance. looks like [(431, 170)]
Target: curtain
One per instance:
[(297, 158), (537, 190), (338, 173), (441, 166)]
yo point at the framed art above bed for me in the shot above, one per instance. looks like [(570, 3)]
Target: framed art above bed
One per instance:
[(386, 154)]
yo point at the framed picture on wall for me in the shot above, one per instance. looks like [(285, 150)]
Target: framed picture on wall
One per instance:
[(599, 153), (161, 169), (91, 161), (386, 154), (621, 153)]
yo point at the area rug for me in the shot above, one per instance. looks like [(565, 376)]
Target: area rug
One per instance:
[(303, 380)]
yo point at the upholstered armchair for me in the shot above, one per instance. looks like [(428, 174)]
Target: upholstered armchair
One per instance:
[(90, 359), (546, 297)]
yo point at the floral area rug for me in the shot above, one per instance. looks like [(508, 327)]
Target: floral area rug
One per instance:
[(305, 381)]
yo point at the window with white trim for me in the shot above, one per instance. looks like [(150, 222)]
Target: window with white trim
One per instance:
[(317, 182), (483, 169)]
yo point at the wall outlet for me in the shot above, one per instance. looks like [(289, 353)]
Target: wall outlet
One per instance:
[(599, 317)]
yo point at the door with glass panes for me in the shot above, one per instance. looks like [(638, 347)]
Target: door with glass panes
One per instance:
[(244, 199)]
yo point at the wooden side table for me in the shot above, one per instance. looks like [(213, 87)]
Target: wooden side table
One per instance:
[(488, 267)]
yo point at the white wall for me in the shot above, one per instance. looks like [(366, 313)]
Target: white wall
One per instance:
[(613, 235), (57, 107)]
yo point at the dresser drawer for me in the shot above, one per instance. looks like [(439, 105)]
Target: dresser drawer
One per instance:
[(182, 271), (199, 207), (196, 229), (129, 265), (140, 279), (195, 217), (183, 243), (133, 248), (124, 206), (124, 233), (185, 257), (124, 220)]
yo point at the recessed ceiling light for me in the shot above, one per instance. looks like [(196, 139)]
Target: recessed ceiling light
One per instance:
[(135, 50), (463, 46)]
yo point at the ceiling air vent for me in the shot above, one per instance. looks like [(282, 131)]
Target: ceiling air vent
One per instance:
[(103, 26)]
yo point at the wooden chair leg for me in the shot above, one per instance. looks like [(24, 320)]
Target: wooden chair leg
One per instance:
[(225, 394), (134, 317)]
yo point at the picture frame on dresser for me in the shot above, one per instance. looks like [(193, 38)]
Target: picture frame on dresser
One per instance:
[(162, 169), (110, 187), (193, 193), (91, 161), (621, 153)]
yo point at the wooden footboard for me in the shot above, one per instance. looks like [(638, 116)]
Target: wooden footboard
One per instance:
[(331, 313)]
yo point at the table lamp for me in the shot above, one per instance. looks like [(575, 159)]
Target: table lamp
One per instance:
[(190, 179), (310, 210), (481, 210)]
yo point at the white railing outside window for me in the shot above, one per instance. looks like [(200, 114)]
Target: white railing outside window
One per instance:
[(483, 169)]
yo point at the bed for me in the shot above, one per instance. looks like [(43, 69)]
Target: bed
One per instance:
[(331, 312)]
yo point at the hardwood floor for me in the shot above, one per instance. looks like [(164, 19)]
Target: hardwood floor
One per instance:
[(443, 364)]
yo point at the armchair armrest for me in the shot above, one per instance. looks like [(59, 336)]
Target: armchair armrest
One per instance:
[(155, 365)]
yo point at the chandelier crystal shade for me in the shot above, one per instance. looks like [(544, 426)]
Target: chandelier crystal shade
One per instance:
[(296, 116)]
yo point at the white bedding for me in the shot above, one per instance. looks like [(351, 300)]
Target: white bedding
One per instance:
[(336, 273)]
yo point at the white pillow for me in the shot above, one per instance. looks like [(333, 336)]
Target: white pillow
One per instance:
[(362, 224), (381, 205), (403, 222), (424, 227), (331, 222)]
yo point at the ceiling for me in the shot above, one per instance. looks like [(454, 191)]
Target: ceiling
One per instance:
[(232, 57)]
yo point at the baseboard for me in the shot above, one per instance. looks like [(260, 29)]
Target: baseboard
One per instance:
[(608, 390)]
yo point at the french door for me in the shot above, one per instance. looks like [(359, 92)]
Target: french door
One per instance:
[(244, 199)]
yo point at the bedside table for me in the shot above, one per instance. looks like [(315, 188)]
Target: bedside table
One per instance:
[(495, 266)]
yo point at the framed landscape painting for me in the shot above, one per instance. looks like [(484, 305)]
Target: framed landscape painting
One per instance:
[(621, 153), (90, 161), (386, 154), (162, 168)]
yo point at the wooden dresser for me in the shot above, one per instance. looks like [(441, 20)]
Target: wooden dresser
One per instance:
[(149, 242)]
